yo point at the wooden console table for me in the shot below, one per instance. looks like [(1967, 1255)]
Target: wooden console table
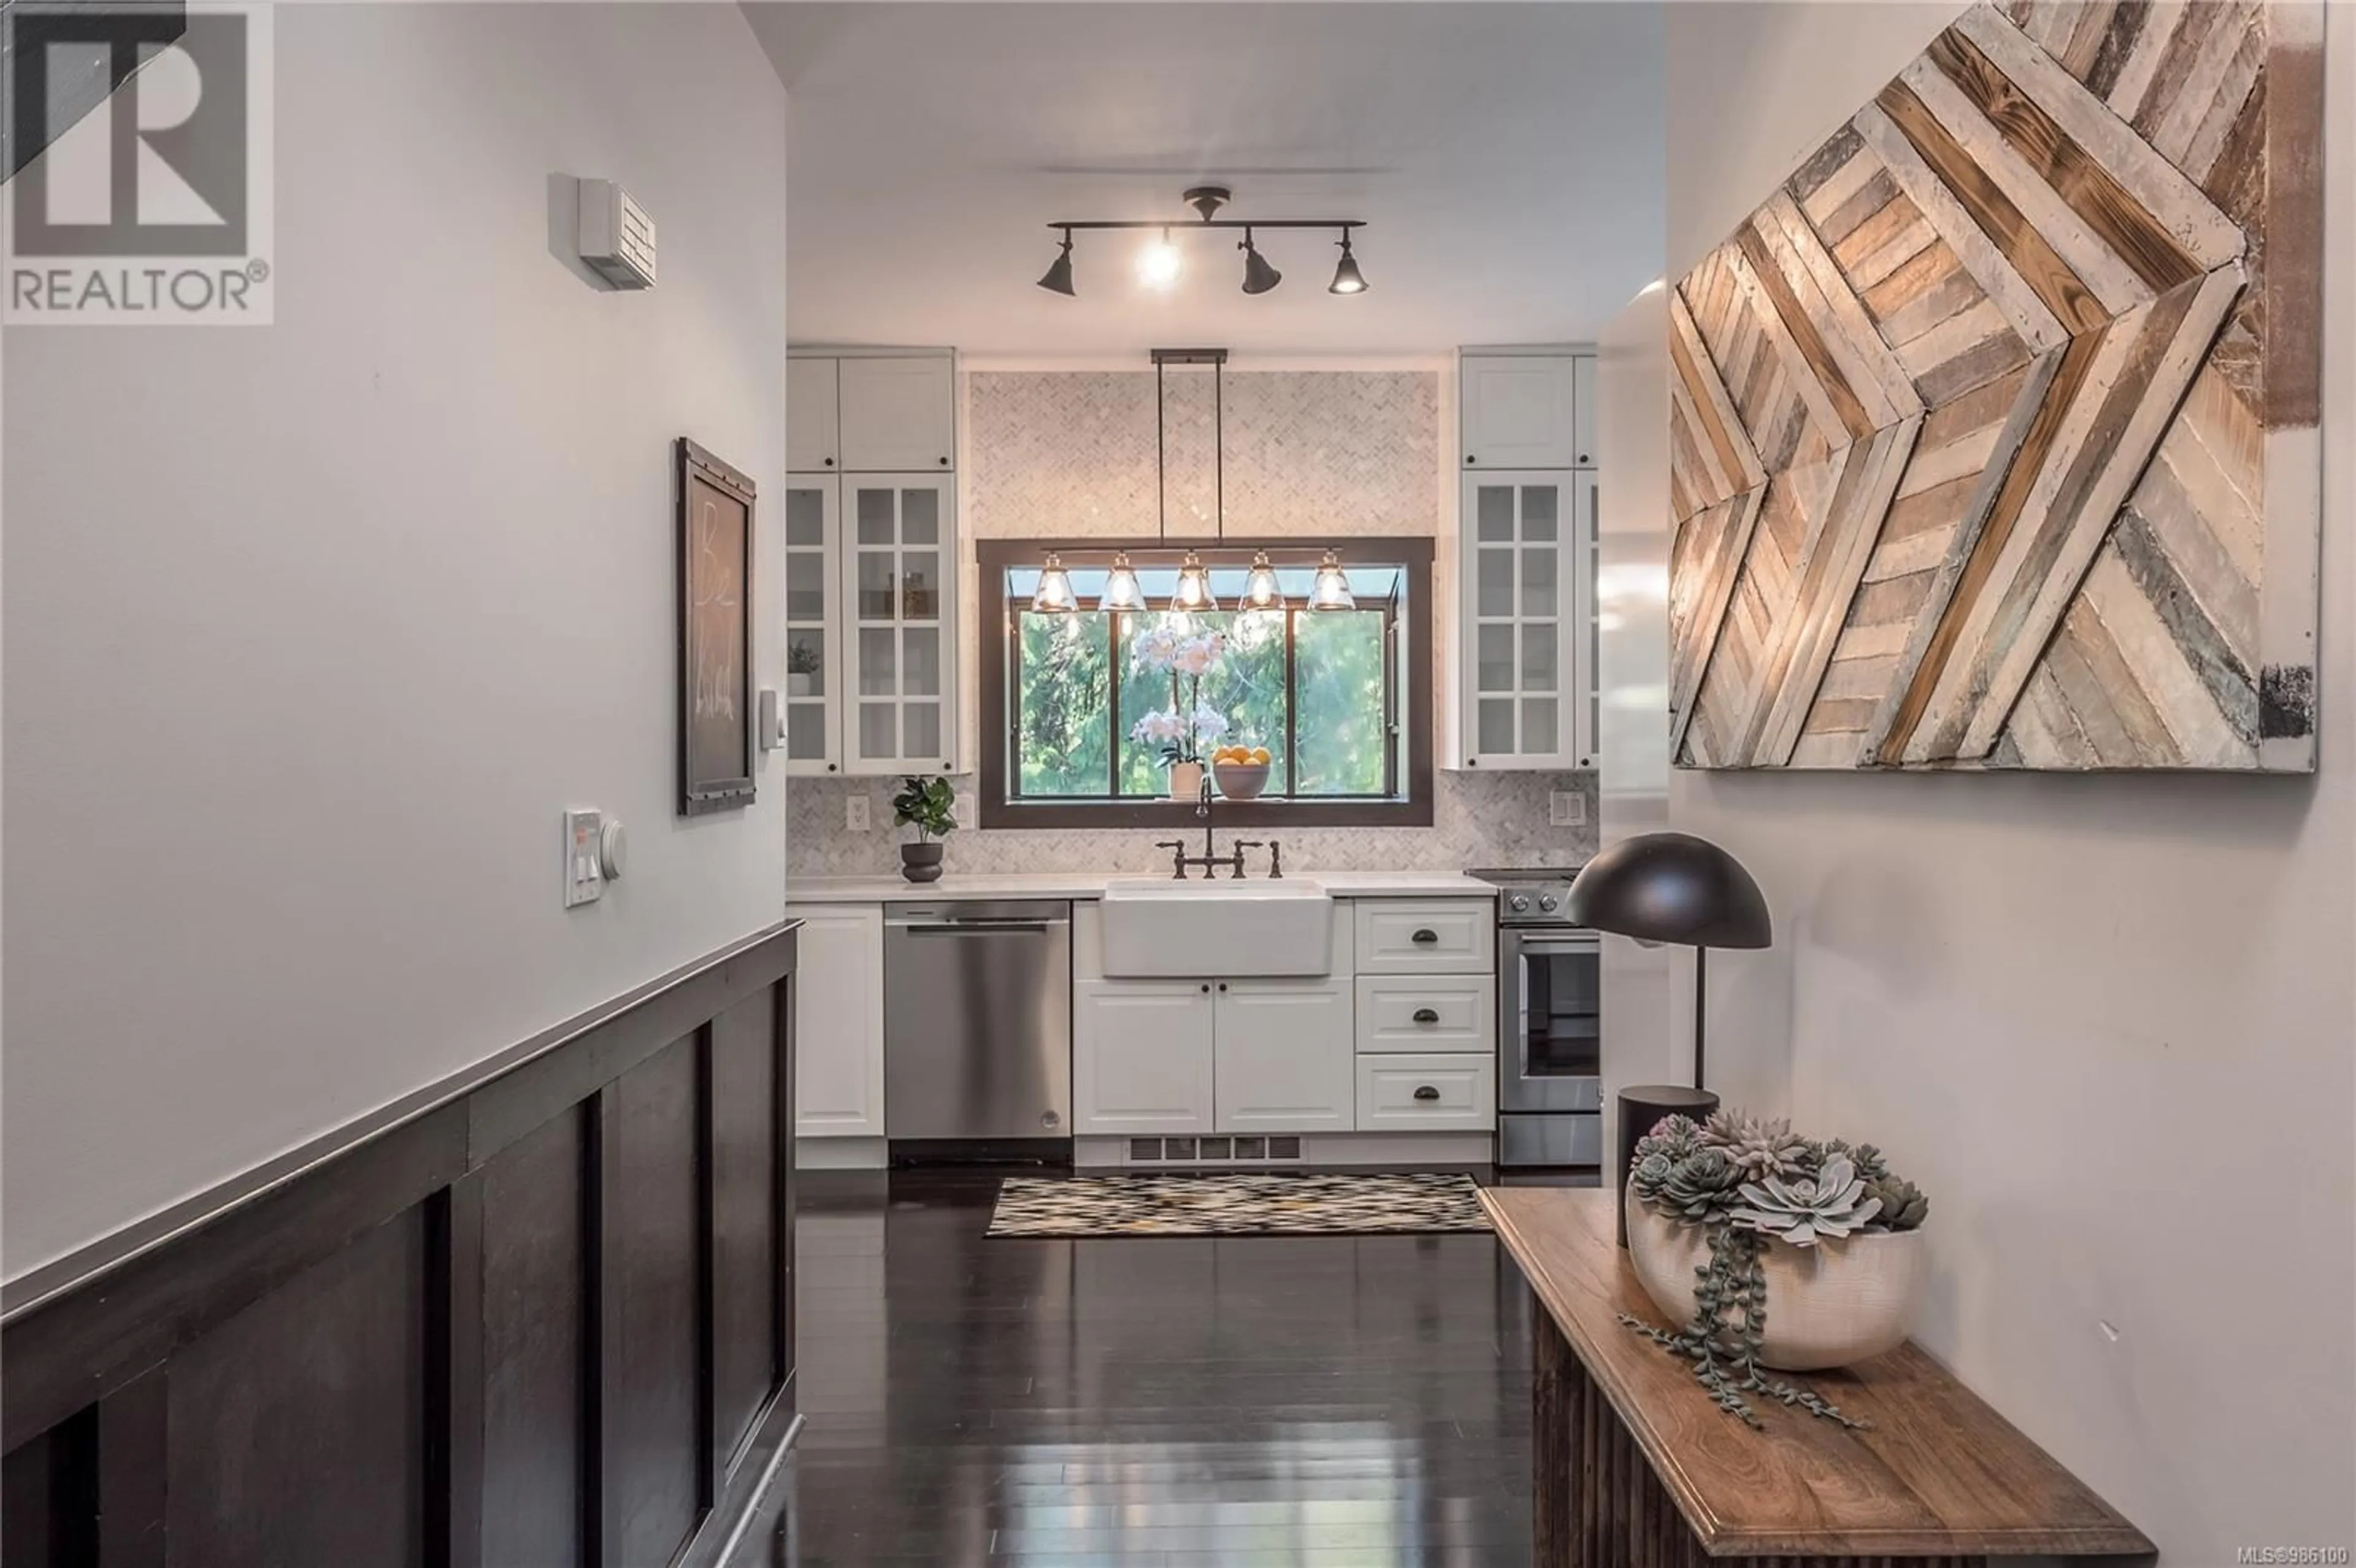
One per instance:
[(1636, 1467)]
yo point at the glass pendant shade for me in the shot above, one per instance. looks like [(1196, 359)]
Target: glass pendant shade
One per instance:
[(1332, 588), (1261, 591), (1193, 590), (1054, 595), (1121, 590)]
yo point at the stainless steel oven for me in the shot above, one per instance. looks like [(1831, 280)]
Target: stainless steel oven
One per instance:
[(1549, 1025)]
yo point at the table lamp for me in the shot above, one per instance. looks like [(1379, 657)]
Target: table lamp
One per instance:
[(1677, 889)]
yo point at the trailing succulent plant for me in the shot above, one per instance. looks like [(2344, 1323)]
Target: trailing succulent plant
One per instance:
[(1746, 1183)]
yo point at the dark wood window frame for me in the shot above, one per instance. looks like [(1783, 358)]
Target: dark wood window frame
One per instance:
[(1411, 762)]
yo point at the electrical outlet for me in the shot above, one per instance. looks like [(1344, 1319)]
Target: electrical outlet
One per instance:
[(961, 807), (855, 814), (1566, 808)]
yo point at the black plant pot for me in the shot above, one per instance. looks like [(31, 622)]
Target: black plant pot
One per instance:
[(921, 862)]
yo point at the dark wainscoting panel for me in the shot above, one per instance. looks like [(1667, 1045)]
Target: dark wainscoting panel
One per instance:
[(535, 1345), (747, 1282), (543, 1318), (296, 1430), (656, 1445)]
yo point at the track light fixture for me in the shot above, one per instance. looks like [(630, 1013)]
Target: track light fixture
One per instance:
[(1059, 272), (1347, 279), (1258, 276), (1162, 261)]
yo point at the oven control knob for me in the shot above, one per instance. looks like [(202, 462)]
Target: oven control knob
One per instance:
[(1518, 902), (1546, 903)]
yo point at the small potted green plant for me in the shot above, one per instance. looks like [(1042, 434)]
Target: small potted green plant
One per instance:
[(928, 806), (802, 670), (1773, 1252)]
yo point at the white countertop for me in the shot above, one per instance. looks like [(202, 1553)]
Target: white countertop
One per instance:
[(1091, 884)]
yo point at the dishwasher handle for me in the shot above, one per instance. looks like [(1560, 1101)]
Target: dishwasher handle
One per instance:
[(1014, 917)]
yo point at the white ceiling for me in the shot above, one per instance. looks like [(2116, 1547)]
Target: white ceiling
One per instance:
[(1507, 158)]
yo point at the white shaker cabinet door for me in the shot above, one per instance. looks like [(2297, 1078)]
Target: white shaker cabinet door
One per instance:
[(838, 1021)]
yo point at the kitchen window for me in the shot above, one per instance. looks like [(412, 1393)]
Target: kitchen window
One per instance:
[(1340, 699)]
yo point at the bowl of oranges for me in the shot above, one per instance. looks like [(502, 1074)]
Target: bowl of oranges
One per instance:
[(1241, 771)]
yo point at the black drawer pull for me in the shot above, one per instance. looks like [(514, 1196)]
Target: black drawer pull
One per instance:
[(1427, 1092), (1426, 938), (1426, 1016)]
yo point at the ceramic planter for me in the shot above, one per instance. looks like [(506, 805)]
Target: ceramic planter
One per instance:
[(921, 862), (1185, 781), (1240, 781), (1827, 1305)]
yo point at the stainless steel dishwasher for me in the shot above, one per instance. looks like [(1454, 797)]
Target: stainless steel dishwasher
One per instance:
[(977, 1020)]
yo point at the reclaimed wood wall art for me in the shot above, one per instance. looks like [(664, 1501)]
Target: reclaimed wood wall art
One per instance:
[(1994, 432)]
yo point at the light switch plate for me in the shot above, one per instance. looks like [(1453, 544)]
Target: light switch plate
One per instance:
[(585, 875), (1566, 808), (855, 814)]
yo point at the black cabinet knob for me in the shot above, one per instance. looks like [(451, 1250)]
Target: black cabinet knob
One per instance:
[(945, 463), (1427, 1092), (1469, 458), (1206, 988), (829, 767), (829, 463), (1424, 937), (1425, 1016), (1223, 985)]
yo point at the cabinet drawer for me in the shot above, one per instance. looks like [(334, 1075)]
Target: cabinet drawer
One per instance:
[(1426, 1013), (1440, 1093), (1438, 937)]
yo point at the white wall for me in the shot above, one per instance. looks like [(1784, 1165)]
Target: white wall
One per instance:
[(313, 630), (2107, 1022)]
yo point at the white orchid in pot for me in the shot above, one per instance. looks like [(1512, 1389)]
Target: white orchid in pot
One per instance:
[(1182, 730)]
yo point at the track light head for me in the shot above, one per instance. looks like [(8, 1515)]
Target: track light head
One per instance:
[(1347, 279), (1058, 278), (1258, 276)]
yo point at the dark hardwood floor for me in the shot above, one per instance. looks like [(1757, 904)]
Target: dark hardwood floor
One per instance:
[(1246, 1401)]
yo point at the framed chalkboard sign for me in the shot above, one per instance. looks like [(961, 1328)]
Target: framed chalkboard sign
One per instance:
[(715, 634)]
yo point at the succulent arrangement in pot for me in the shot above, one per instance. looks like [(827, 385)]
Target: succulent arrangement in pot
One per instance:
[(1773, 1251), (929, 806)]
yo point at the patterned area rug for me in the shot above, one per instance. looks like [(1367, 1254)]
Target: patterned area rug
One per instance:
[(1238, 1204)]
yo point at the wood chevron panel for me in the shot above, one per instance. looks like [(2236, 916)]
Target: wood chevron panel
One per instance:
[(1994, 430)]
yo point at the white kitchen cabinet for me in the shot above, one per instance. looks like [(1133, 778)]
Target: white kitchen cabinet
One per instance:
[(1283, 1054), (1142, 1056), (1426, 1013), (838, 994), (1583, 411), (1520, 410), (813, 424), (1426, 936), (898, 620), (813, 556), (898, 412), (1527, 619), (1402, 1093)]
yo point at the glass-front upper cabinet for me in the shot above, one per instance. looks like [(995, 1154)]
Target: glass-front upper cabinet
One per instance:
[(900, 606), (1528, 619), (813, 627)]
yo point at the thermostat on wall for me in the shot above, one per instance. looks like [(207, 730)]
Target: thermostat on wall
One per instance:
[(617, 238)]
